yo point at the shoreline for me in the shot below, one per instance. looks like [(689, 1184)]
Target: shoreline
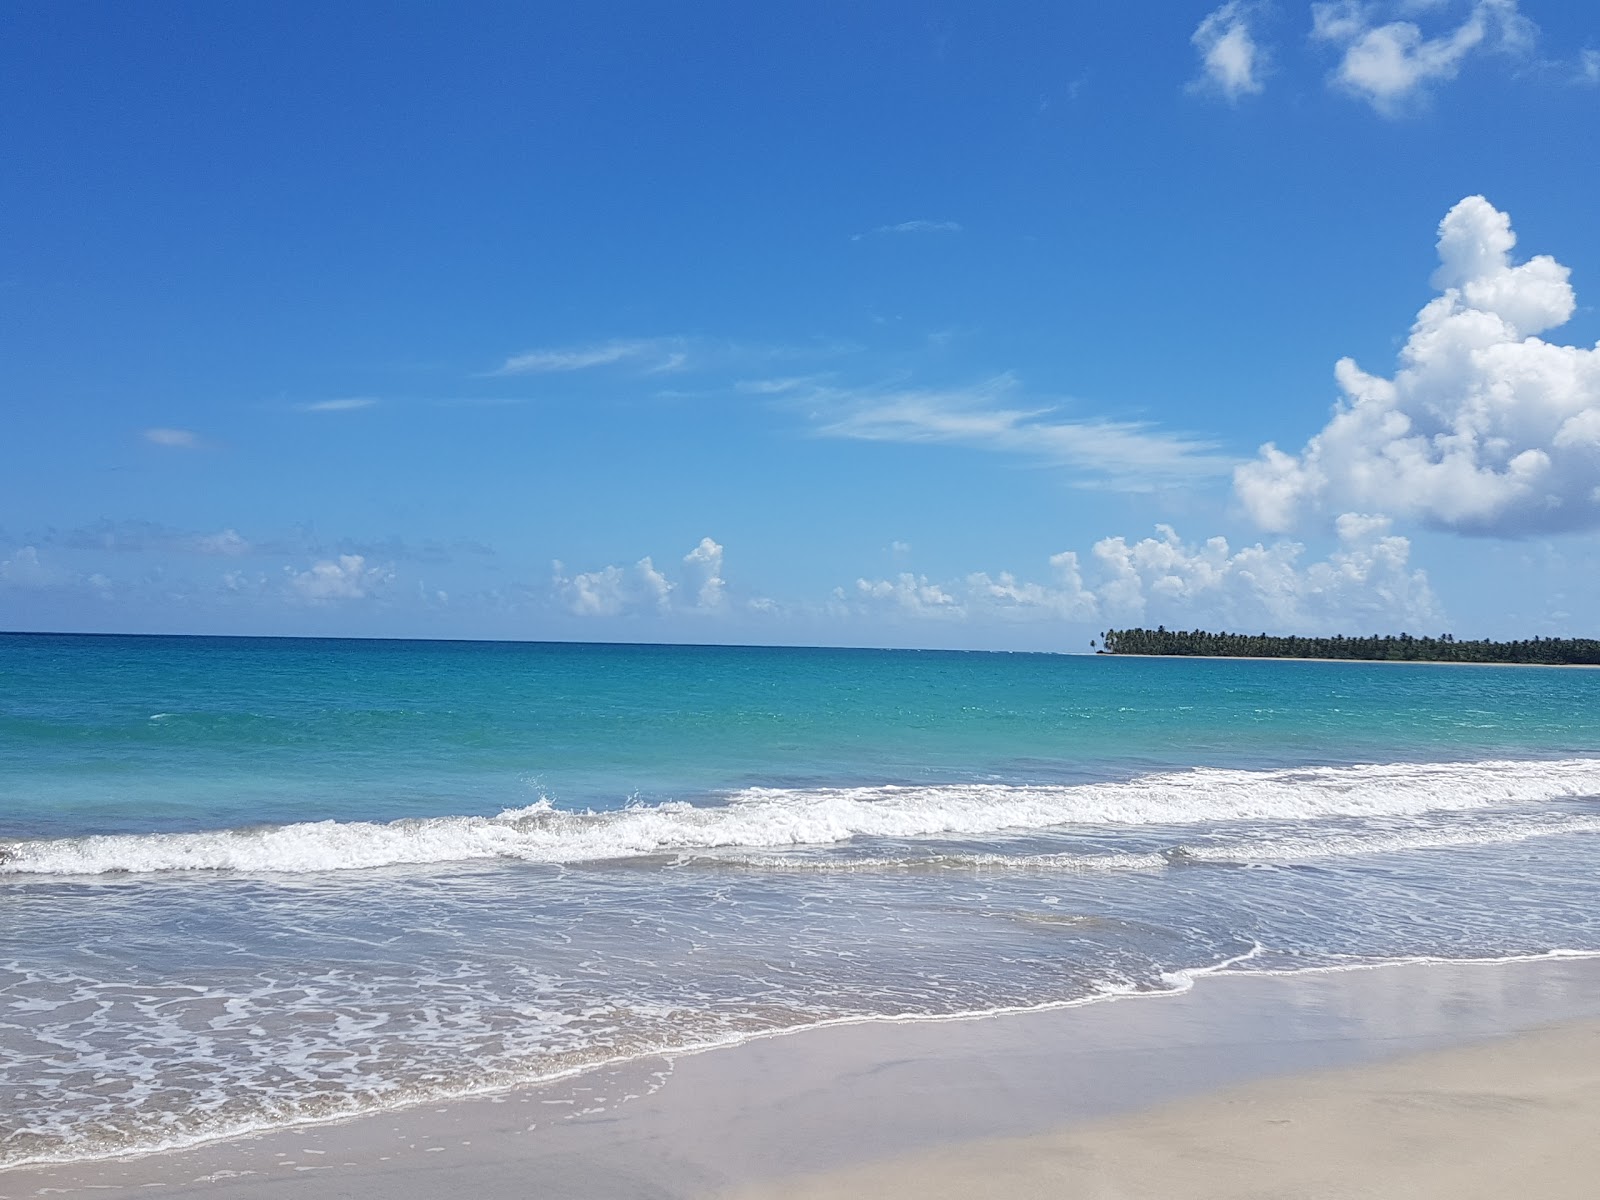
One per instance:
[(1386, 662), (698, 1121)]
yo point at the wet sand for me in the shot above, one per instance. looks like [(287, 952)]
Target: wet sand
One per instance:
[(1410, 1080)]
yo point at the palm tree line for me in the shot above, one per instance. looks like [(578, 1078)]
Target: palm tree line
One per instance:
[(1401, 647)]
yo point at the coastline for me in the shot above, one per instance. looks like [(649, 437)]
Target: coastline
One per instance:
[(834, 1107), (1388, 662)]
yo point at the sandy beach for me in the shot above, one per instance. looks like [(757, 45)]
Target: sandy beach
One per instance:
[(1417, 1080), (1512, 1116)]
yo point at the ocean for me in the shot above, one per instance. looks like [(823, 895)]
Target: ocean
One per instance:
[(247, 883)]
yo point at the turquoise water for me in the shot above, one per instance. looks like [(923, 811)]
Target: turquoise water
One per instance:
[(255, 881), (142, 734)]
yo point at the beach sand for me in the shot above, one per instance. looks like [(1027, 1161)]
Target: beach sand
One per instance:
[(1418, 1080), (1512, 1117)]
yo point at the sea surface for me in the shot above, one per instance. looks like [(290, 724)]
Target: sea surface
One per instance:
[(253, 882)]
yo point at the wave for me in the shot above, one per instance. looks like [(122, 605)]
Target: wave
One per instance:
[(776, 818), (1242, 851)]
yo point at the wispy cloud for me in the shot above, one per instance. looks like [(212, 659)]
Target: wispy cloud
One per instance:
[(1588, 68), (175, 439), (1390, 65), (346, 404), (995, 416), (903, 227), (1231, 60), (651, 355), (150, 537), (671, 355)]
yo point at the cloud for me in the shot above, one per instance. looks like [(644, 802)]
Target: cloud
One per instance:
[(140, 537), (347, 404), (1231, 63), (1390, 65), (911, 227), (1485, 427), (227, 542), (346, 578), (177, 439), (24, 569), (1126, 455), (1365, 583), (653, 355), (911, 595), (27, 571), (704, 565), (615, 590), (1588, 68)]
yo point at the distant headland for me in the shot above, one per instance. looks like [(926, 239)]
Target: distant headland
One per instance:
[(1403, 647)]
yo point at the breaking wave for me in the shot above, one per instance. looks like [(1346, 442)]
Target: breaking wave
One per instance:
[(778, 818)]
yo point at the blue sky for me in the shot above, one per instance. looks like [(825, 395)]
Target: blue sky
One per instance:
[(890, 324)]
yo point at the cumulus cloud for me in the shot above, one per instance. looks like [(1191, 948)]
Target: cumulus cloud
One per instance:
[(347, 577), (1390, 64), (910, 594), (1126, 455), (1231, 62), (175, 439), (704, 566), (1485, 427), (615, 590), (1366, 582)]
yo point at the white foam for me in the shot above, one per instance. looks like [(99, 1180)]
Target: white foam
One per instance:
[(773, 818)]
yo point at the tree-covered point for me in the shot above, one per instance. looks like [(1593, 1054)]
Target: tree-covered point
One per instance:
[(1392, 647)]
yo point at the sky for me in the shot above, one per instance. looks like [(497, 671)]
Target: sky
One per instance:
[(937, 325)]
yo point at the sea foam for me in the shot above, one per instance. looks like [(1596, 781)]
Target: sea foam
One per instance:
[(775, 818)]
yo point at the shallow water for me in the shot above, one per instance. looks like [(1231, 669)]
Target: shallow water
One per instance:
[(251, 882)]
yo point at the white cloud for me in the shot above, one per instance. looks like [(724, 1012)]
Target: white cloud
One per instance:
[(346, 578), (1127, 455), (347, 404), (1588, 68), (1485, 427), (654, 355), (912, 595), (593, 593), (227, 542), (25, 570), (616, 590), (243, 583), (1391, 64), (177, 439), (704, 566), (1231, 62), (657, 587), (1365, 583), (913, 227)]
